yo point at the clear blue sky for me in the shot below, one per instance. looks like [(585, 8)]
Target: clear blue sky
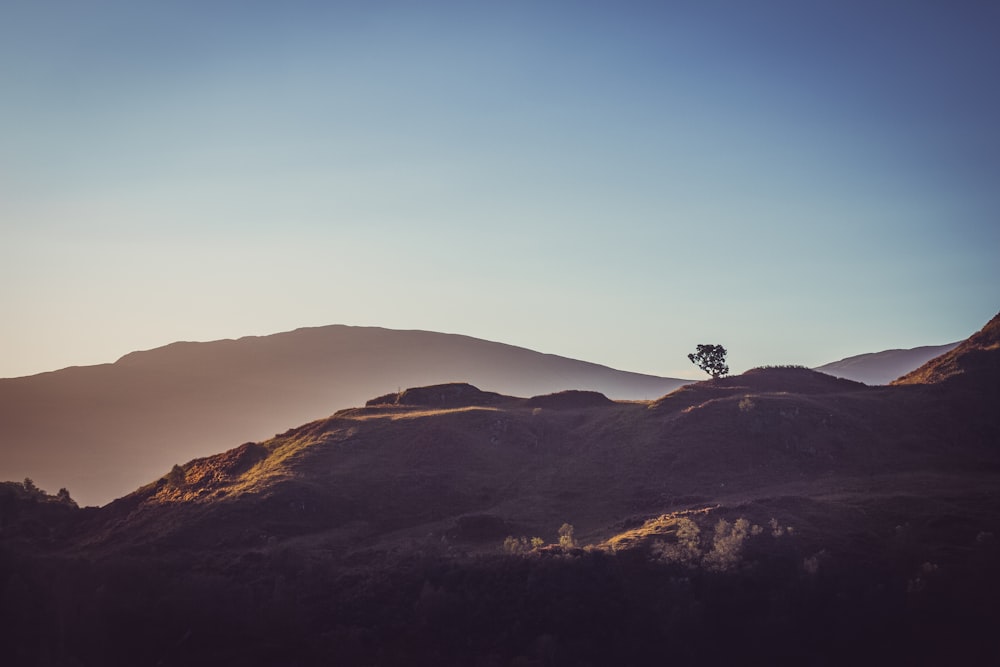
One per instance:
[(617, 182)]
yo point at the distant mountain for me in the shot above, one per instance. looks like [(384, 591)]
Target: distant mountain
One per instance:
[(883, 367), (100, 431)]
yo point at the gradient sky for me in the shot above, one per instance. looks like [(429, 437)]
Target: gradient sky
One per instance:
[(617, 182)]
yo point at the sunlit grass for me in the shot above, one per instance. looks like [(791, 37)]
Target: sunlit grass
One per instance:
[(401, 415), (659, 527), (285, 450)]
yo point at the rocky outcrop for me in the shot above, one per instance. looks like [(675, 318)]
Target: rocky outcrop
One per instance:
[(451, 395)]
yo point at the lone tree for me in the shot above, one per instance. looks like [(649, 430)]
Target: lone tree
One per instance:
[(711, 359)]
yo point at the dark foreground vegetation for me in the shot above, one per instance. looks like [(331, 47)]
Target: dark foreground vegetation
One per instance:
[(550, 607)]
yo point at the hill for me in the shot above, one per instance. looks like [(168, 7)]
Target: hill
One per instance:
[(421, 462), (973, 365), (102, 430), (883, 367), (804, 519)]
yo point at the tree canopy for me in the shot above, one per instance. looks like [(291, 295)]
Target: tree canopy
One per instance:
[(711, 359)]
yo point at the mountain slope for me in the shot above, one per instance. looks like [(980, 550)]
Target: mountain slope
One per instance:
[(883, 367), (974, 364), (102, 430)]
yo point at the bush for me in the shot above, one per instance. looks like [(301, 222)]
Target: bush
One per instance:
[(566, 539), (521, 545), (176, 478)]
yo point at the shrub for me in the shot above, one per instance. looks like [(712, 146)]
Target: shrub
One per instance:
[(64, 497), (687, 549), (31, 489), (566, 539), (176, 478), (521, 545), (727, 544)]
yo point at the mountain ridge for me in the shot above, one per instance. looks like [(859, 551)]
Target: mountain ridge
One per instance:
[(881, 368)]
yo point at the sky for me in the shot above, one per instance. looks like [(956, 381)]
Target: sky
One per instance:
[(617, 182)]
